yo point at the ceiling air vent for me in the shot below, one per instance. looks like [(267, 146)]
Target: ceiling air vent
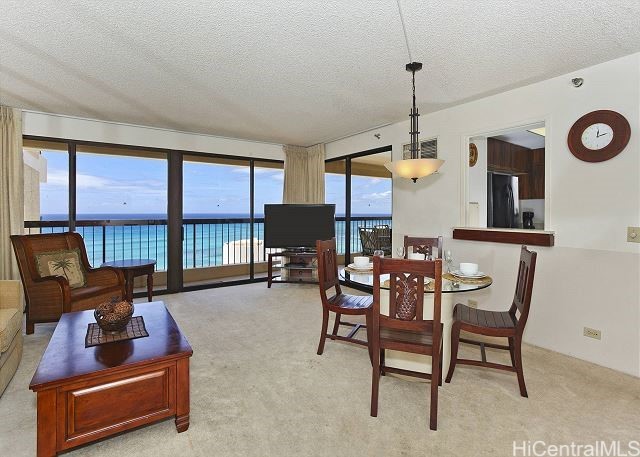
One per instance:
[(428, 149)]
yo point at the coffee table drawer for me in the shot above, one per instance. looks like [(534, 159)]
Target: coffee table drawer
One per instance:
[(110, 404)]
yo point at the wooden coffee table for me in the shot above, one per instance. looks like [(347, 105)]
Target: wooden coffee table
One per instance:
[(85, 394)]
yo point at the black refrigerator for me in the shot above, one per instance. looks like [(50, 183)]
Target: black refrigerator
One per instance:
[(503, 204)]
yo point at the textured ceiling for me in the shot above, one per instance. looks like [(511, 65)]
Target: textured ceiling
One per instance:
[(296, 72), (523, 138)]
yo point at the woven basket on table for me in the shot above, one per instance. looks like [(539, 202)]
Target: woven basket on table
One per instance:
[(113, 316)]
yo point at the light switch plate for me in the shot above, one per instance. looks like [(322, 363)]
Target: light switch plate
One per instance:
[(633, 234)]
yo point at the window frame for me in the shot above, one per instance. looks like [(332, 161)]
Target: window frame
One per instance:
[(175, 160)]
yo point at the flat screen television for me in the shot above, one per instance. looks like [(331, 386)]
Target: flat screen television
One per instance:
[(298, 226)]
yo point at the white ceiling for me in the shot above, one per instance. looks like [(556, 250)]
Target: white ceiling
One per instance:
[(296, 72), (523, 138), (374, 159)]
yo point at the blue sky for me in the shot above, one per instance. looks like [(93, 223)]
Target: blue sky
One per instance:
[(130, 185)]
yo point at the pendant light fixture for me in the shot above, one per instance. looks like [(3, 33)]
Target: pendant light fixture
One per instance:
[(415, 167)]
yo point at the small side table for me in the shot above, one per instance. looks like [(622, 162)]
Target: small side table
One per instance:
[(133, 268)]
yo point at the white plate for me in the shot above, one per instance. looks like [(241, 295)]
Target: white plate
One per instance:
[(460, 274), (354, 267)]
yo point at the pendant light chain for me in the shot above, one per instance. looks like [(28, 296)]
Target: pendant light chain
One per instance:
[(404, 30), (414, 120)]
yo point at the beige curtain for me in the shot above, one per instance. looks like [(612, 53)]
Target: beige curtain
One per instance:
[(11, 188), (303, 174)]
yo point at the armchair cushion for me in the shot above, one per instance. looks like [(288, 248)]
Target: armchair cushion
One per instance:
[(64, 262), (90, 297), (10, 325)]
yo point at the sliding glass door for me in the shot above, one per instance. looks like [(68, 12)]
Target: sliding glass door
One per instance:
[(198, 215), (46, 186), (335, 191), (216, 222), (361, 188), (371, 188), (121, 206), (268, 181)]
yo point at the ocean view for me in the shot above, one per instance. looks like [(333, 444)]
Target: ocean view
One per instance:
[(219, 239)]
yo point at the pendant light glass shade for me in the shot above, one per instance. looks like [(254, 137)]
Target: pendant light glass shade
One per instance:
[(414, 168)]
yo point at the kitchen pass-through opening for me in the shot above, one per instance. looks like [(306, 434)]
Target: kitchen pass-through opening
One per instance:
[(507, 179)]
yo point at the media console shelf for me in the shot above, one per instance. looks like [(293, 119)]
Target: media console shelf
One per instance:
[(294, 267)]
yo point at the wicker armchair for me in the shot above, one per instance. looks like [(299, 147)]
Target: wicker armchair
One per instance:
[(368, 240), (383, 238), (49, 296)]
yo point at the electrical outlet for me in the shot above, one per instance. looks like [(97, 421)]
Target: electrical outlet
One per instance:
[(633, 234), (592, 333), (472, 303)]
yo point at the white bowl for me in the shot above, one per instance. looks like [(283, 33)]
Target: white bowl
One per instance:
[(361, 261), (469, 268), (415, 256)]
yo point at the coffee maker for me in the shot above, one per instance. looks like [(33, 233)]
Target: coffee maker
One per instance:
[(527, 220)]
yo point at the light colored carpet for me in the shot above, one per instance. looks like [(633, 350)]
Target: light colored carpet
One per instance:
[(259, 389)]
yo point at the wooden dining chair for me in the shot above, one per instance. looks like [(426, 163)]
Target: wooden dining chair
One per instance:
[(339, 303), (404, 328), (422, 245), (509, 324)]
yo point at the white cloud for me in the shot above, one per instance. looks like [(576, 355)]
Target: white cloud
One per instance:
[(377, 195), (84, 181), (58, 178)]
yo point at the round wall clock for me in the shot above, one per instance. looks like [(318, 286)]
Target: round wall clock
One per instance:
[(473, 154), (599, 136)]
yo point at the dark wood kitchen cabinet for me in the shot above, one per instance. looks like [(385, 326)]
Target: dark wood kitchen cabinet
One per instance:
[(527, 164), (536, 186), (503, 157)]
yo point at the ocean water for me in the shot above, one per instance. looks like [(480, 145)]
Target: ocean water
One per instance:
[(205, 244)]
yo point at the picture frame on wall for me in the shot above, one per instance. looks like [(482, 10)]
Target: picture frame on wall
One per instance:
[(428, 149)]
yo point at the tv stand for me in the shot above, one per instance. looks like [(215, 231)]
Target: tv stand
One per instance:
[(300, 251), (295, 266)]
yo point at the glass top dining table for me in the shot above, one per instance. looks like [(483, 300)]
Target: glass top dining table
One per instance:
[(365, 280)]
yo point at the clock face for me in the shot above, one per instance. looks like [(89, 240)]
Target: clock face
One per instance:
[(597, 136)]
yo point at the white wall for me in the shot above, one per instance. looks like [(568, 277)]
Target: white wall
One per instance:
[(478, 181), (592, 276), (59, 126)]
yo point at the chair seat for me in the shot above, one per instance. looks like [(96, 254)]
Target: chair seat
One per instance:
[(352, 303), (395, 336), (483, 318)]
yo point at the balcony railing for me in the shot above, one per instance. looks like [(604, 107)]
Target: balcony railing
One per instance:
[(206, 242)]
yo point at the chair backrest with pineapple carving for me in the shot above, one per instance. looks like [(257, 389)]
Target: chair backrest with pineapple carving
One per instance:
[(407, 279)]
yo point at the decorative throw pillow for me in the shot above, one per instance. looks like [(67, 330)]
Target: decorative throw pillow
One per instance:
[(65, 262)]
